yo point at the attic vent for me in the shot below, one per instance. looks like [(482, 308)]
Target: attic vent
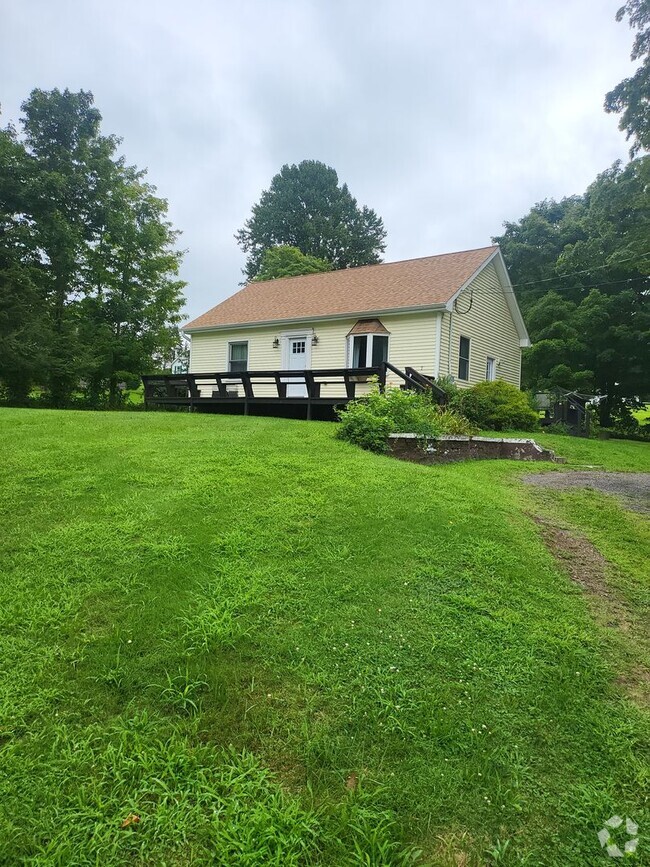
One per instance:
[(368, 326)]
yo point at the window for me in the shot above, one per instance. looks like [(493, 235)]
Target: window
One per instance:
[(463, 358), (379, 351), (298, 347), (238, 356), (359, 350), (369, 350), (490, 369)]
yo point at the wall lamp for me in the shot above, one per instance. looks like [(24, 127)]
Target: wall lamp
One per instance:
[(314, 340), (276, 343)]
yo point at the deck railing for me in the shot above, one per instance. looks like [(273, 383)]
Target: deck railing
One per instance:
[(225, 386), (240, 386)]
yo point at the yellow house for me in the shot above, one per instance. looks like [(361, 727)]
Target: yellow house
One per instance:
[(451, 315)]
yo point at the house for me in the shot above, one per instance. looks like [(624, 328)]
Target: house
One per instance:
[(180, 364), (449, 315)]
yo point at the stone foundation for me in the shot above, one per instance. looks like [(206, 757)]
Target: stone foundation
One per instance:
[(446, 449)]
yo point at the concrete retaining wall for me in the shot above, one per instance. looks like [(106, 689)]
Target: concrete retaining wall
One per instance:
[(445, 449)]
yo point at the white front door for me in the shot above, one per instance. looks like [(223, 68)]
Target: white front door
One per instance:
[(298, 359)]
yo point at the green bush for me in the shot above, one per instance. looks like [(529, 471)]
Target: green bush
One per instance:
[(368, 421), (496, 405)]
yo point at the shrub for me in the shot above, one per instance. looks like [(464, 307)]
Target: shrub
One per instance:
[(497, 405), (368, 421), (447, 384)]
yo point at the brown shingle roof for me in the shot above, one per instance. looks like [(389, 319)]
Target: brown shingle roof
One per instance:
[(368, 326), (371, 288)]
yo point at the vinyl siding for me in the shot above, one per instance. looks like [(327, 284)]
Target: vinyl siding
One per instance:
[(411, 342), (489, 325)]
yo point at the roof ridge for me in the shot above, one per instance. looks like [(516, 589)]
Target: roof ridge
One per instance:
[(422, 280), (372, 265)]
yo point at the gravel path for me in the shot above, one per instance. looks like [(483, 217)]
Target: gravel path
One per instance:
[(634, 488)]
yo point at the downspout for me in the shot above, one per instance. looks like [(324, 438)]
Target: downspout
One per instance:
[(436, 359)]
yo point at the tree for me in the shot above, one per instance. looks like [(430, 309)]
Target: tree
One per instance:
[(631, 98), (285, 261), (132, 308), (69, 157), (533, 244), (581, 270), (23, 328), (87, 257), (306, 208)]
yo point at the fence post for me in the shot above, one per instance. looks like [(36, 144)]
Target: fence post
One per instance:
[(382, 377)]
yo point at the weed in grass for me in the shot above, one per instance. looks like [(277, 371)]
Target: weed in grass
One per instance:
[(115, 675), (216, 616), (182, 692)]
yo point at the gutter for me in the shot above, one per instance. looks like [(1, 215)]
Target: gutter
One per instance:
[(364, 314)]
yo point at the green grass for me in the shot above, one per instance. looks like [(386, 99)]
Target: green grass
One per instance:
[(212, 623)]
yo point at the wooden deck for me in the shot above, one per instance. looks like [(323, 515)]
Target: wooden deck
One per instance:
[(268, 392)]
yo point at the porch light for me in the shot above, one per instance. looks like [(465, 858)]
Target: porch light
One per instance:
[(276, 343), (314, 340)]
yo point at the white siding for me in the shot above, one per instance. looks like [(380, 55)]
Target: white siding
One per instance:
[(482, 314)]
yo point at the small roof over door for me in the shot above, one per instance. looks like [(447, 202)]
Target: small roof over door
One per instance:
[(368, 326)]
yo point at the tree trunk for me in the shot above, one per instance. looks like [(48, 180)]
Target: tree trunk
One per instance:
[(113, 392), (605, 409)]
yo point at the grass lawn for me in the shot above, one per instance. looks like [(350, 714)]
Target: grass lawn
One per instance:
[(642, 415), (230, 640)]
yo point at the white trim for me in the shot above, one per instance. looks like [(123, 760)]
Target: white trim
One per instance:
[(469, 358), (362, 314), (436, 355), (488, 359), (508, 291), (511, 298), (286, 337), (299, 332), (450, 303), (369, 346), (248, 357)]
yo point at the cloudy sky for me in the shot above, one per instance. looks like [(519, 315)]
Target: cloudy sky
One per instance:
[(446, 118)]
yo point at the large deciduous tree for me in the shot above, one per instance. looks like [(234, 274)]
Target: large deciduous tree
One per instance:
[(132, 309), (24, 337), (631, 98), (306, 208), (69, 157), (285, 261), (88, 262), (581, 272)]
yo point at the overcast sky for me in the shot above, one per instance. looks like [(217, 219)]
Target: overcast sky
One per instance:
[(446, 118)]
